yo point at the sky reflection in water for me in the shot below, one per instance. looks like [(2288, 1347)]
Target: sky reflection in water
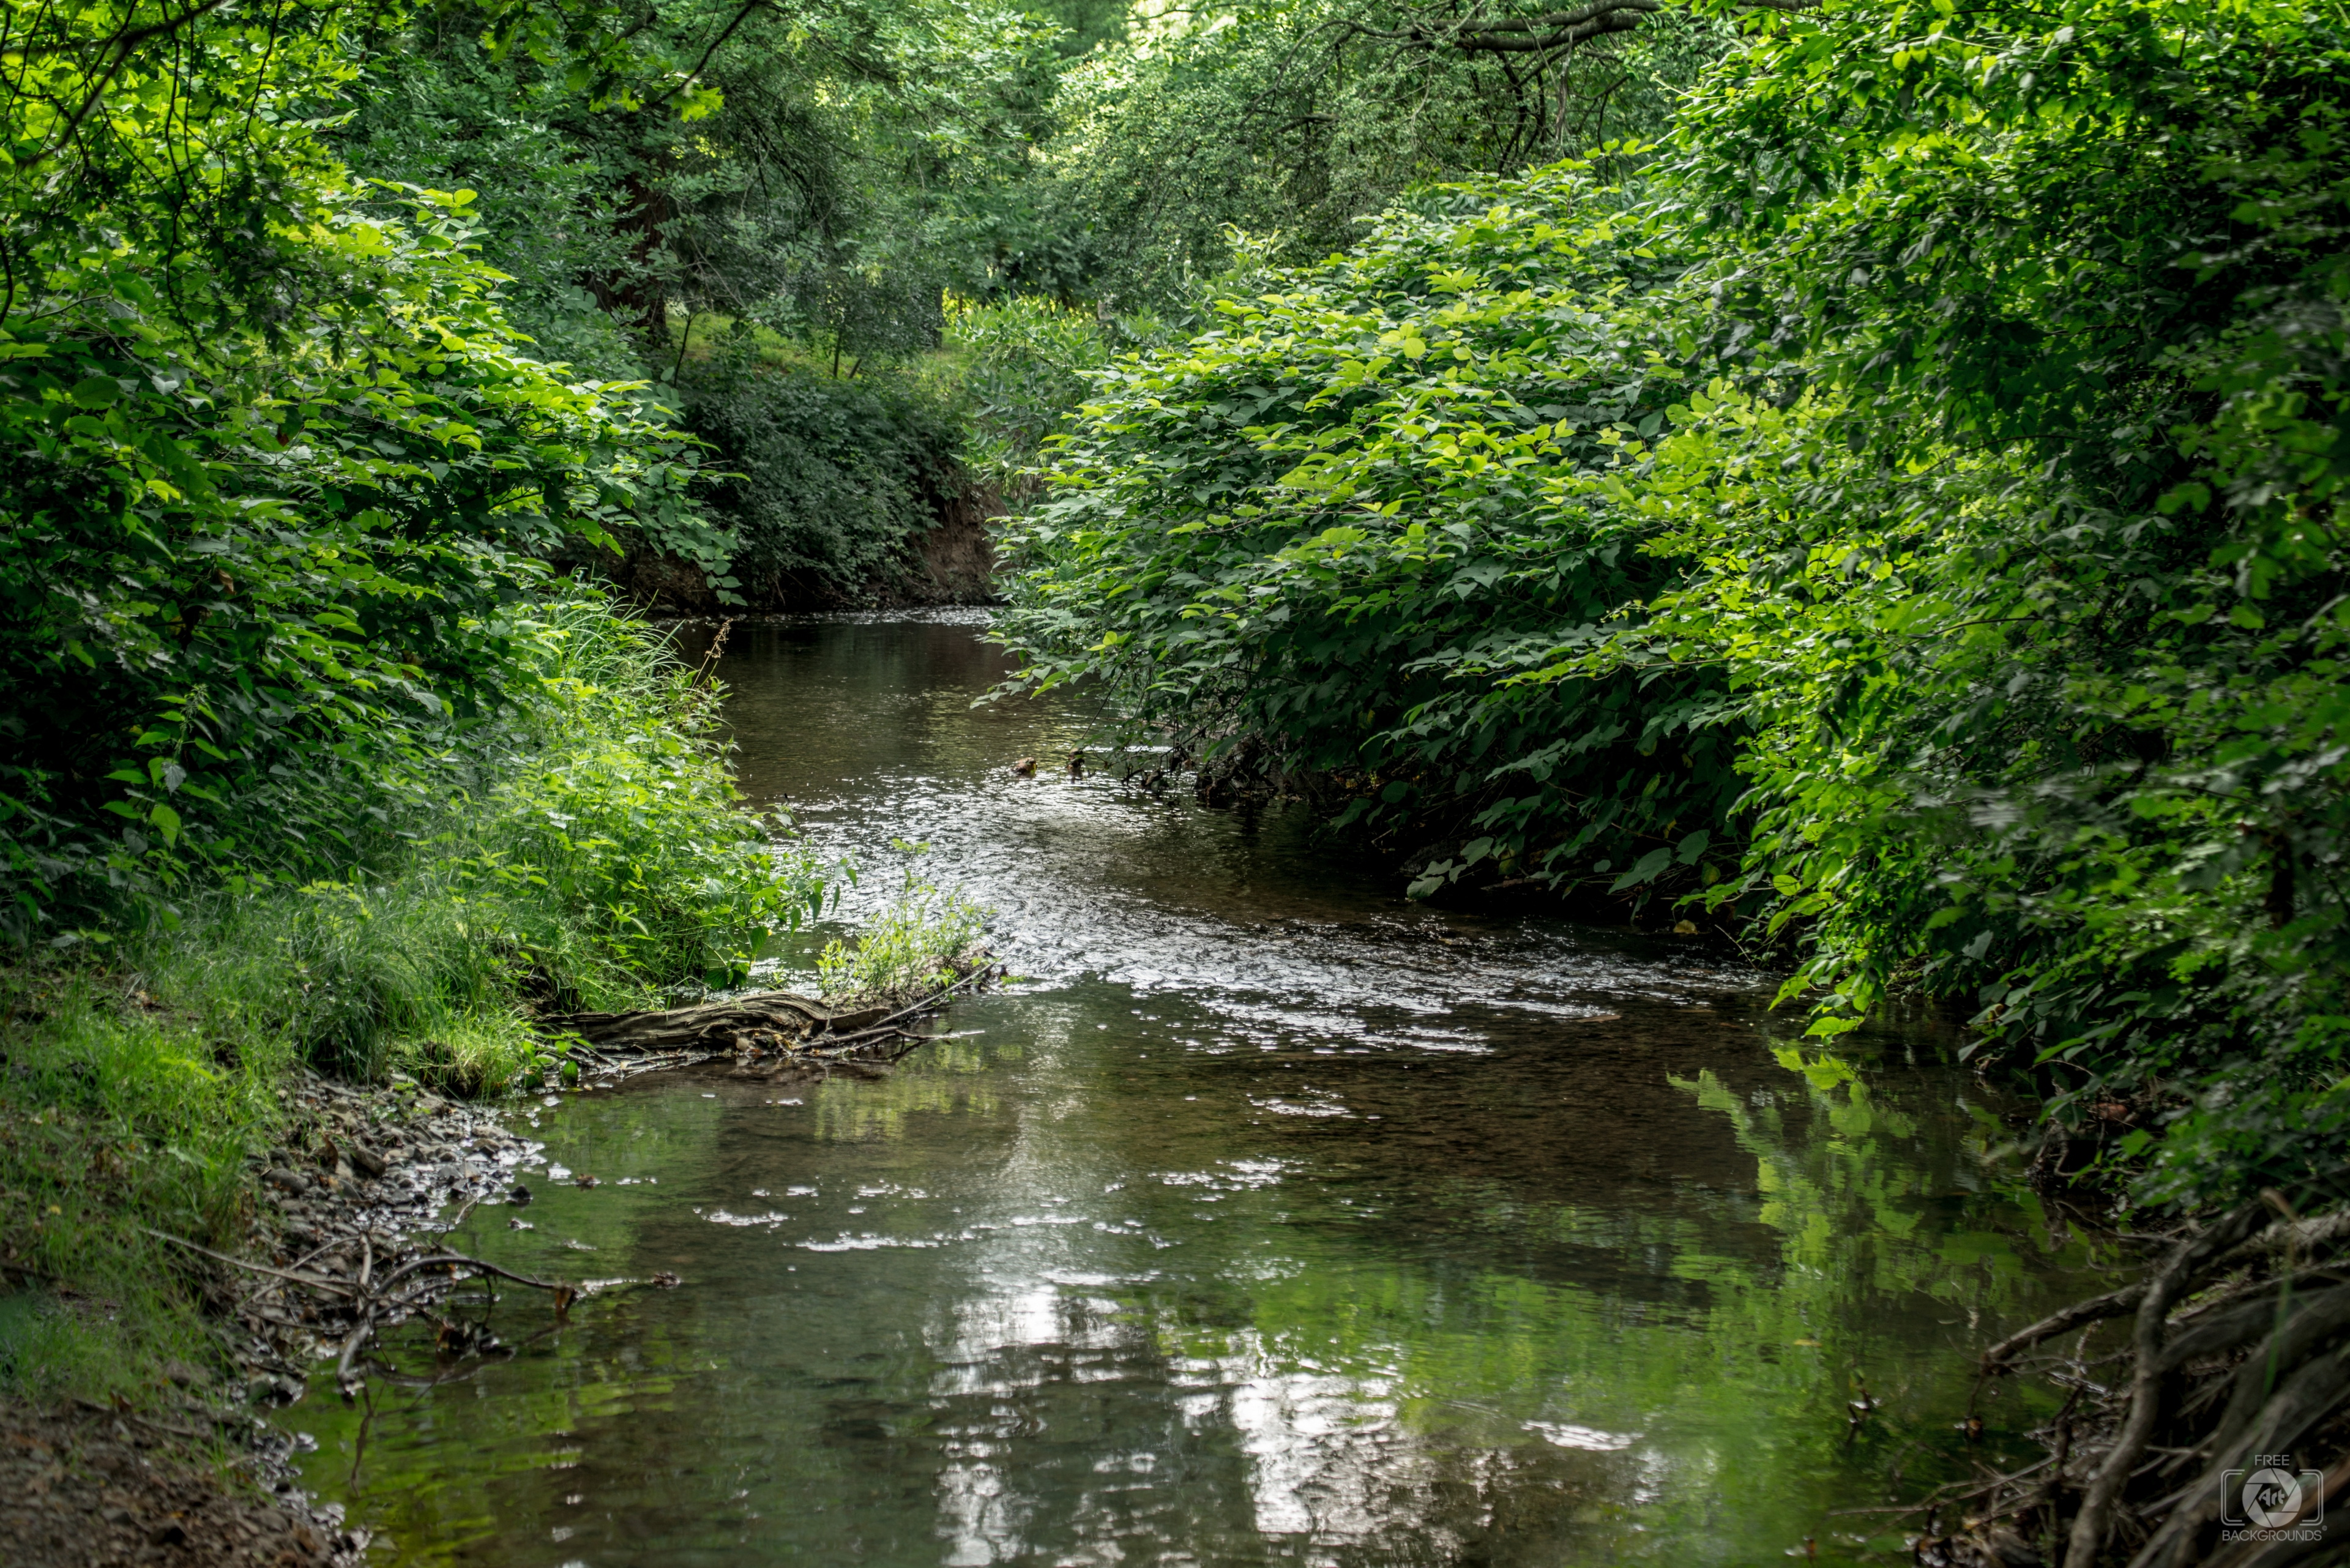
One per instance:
[(1271, 1220)]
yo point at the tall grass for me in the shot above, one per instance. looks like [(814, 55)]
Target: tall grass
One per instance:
[(580, 847)]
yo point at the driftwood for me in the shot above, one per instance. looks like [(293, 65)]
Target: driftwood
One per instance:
[(767, 1022), (764, 1017), (2096, 1308), (2236, 1351), (353, 1310)]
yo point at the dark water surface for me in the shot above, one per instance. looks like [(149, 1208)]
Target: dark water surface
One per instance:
[(1270, 1220)]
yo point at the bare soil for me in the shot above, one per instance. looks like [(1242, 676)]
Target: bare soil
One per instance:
[(84, 1487)]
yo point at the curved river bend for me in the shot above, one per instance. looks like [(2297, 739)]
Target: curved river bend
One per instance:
[(1269, 1220)]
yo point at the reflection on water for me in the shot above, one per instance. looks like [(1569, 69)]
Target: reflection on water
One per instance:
[(1270, 1220)]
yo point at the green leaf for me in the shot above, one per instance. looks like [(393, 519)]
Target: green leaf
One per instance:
[(1644, 870)]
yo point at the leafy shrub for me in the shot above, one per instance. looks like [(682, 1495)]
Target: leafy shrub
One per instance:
[(281, 471), (587, 852), (828, 478), (1027, 363), (1327, 535), (2041, 596), (923, 939), (1927, 482), (1296, 123)]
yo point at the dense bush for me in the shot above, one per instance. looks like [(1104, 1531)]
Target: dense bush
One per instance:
[(1322, 538), (586, 849), (281, 474), (1926, 478), (2040, 595), (825, 479), (1024, 366)]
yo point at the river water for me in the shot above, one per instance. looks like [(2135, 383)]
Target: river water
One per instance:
[(1267, 1219)]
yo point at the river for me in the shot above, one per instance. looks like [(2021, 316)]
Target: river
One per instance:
[(1267, 1219)]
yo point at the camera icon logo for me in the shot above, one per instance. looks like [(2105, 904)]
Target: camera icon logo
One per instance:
[(2272, 1497)]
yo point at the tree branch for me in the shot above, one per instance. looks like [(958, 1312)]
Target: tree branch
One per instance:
[(744, 14), (121, 46), (1557, 21), (129, 40), (1540, 34)]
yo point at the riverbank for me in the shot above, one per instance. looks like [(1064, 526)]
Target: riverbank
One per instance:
[(587, 850), (84, 1487), (197, 1215), (140, 1364), (127, 1450), (345, 1217), (258, 1069)]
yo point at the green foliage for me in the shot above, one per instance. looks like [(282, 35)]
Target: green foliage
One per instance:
[(1300, 122), (828, 478), (1926, 478), (1027, 365), (594, 856), (2042, 602), (807, 189), (551, 210), (1325, 535), (281, 476), (840, 171), (923, 939), (586, 849)]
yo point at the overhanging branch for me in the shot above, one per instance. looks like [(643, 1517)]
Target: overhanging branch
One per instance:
[(1542, 34)]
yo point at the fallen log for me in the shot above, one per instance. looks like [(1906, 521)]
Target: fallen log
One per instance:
[(710, 1025)]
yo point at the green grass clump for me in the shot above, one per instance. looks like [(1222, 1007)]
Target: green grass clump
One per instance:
[(925, 939), (117, 1110), (586, 850)]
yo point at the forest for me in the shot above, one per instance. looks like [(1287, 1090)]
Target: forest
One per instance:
[(1852, 484)]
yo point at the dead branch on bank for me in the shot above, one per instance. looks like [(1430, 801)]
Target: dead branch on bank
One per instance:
[(417, 1283), (766, 1023), (709, 1026), (2237, 1358)]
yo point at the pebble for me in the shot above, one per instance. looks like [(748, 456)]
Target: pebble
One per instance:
[(82, 1489)]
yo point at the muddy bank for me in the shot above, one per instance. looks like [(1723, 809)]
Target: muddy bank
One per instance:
[(356, 1184), (87, 1487)]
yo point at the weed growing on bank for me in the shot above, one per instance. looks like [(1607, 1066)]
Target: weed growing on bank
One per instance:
[(923, 939), (584, 851)]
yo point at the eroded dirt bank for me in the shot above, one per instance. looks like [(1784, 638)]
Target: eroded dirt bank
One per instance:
[(86, 1488), (195, 1474)]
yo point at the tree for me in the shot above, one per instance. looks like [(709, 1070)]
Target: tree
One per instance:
[(281, 471), (1296, 124)]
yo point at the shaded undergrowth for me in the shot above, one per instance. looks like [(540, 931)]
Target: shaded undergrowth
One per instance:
[(586, 849)]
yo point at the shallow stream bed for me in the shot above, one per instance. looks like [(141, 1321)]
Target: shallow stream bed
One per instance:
[(1268, 1219)]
